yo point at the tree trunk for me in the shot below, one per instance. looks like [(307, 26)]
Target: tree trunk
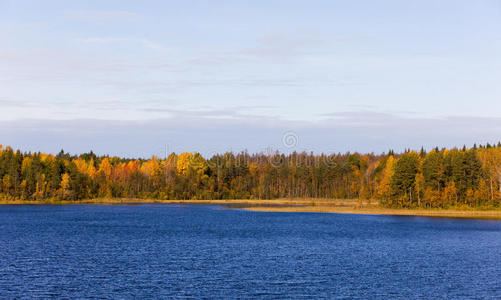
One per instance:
[(492, 191)]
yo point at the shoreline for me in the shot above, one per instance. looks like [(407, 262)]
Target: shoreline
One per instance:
[(436, 213), (339, 206)]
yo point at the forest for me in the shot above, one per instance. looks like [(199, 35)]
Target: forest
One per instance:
[(440, 178)]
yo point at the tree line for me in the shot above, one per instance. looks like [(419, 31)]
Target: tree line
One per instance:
[(439, 178)]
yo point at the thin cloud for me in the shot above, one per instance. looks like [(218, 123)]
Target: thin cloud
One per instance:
[(211, 131), (267, 46), (16, 103), (278, 46), (235, 113), (100, 15), (359, 115), (146, 43)]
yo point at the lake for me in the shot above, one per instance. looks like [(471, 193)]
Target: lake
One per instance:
[(199, 251)]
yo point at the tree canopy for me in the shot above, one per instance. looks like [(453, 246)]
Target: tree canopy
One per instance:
[(439, 178)]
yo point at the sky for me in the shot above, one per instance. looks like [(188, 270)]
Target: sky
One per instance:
[(141, 78)]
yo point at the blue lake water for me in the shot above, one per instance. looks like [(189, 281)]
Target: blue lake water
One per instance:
[(165, 251)]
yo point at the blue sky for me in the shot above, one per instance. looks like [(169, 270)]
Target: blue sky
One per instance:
[(132, 77)]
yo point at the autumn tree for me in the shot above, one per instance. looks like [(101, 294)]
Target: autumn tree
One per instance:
[(403, 180)]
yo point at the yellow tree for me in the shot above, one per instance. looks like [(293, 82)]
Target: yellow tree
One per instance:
[(64, 191), (482, 194), (491, 163), (192, 166), (81, 165), (419, 187), (25, 165), (7, 183), (91, 169), (183, 163), (169, 167), (23, 186), (153, 171), (40, 187), (384, 191), (431, 197), (450, 194), (105, 167)]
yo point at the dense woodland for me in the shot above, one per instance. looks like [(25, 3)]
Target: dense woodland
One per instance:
[(439, 178)]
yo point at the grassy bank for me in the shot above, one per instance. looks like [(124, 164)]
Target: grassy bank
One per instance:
[(493, 214), (345, 206)]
